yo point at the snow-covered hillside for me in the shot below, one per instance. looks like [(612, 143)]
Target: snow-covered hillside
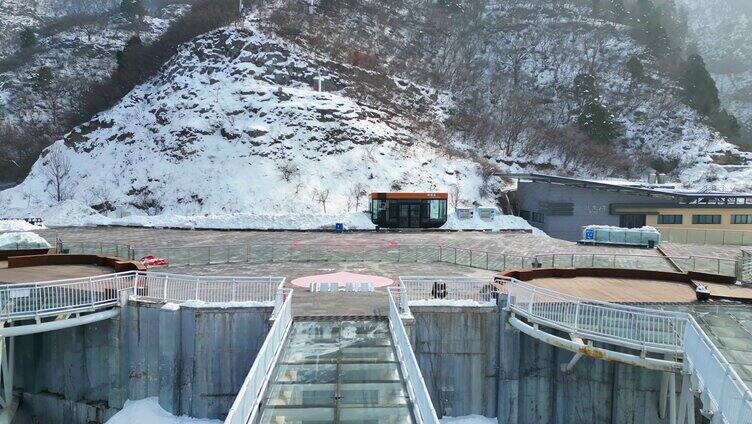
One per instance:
[(77, 54), (235, 123), (485, 52), (722, 32), (234, 131), (18, 14)]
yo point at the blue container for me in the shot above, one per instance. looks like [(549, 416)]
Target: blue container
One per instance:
[(339, 227)]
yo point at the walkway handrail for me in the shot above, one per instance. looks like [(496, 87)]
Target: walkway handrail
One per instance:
[(448, 288), (423, 409), (247, 402), (72, 295), (723, 391), (181, 288), (638, 328)]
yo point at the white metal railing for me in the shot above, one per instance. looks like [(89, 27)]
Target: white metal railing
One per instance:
[(745, 266), (724, 393), (211, 289), (639, 328), (423, 409), (442, 289), (48, 298), (722, 390), (247, 402)]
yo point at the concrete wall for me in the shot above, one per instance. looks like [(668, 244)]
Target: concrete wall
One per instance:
[(456, 351), (193, 360), (474, 363), (591, 207)]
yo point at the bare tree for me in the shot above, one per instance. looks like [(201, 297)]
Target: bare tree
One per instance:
[(513, 117), (357, 192), (57, 169), (322, 196), (288, 171), (454, 196)]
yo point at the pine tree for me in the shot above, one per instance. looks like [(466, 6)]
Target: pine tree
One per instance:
[(585, 88), (597, 122), (43, 79), (635, 69), (593, 118), (132, 8), (700, 90), (28, 38)]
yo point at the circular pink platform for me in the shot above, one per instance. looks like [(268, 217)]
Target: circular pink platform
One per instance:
[(342, 278)]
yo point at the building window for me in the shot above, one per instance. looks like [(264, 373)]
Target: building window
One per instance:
[(741, 219), (525, 215), (669, 219), (706, 219), (537, 217)]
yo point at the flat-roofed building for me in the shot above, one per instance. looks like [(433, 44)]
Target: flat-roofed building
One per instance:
[(561, 206)]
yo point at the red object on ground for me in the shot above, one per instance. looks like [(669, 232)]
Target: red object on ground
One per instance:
[(150, 261)]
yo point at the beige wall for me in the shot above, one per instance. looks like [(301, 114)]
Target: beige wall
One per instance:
[(687, 213)]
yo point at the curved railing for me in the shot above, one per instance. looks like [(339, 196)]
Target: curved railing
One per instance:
[(73, 295), (51, 298), (723, 392), (638, 328)]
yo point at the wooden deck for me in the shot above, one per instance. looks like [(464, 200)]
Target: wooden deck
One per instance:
[(620, 289), (49, 272)]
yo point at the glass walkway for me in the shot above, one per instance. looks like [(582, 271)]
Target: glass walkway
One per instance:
[(337, 372)]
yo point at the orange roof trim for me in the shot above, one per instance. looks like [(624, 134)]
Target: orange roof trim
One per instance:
[(409, 196)]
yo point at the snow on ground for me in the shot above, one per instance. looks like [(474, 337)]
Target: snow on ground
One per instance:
[(148, 411), (171, 306), (16, 241), (75, 214), (18, 225), (468, 419), (499, 222), (446, 302)]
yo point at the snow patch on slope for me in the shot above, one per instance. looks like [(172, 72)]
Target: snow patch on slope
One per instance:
[(18, 225)]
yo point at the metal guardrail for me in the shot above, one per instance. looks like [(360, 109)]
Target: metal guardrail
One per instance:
[(704, 236), (438, 289), (745, 266), (246, 404), (50, 298), (423, 409), (722, 390), (422, 253), (638, 328), (212, 289)]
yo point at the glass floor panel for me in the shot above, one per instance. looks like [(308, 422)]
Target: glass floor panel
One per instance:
[(362, 373), (397, 415), (337, 372), (297, 416)]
